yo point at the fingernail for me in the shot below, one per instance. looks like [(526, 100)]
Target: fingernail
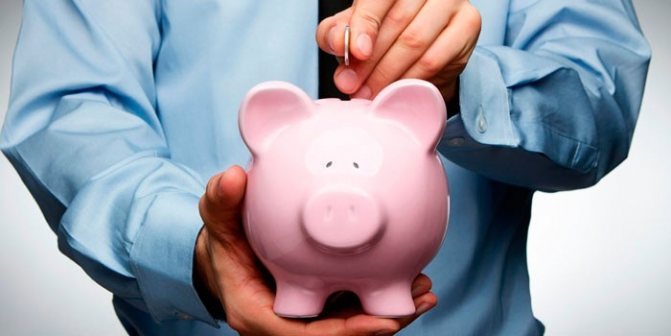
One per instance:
[(330, 39), (364, 93), (423, 308), (364, 44), (346, 80)]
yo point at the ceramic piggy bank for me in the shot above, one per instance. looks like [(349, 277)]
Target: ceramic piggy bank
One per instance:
[(344, 195)]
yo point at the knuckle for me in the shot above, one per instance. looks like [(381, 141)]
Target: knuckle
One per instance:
[(412, 39), (398, 17), (202, 207), (371, 20), (473, 18), (211, 188), (322, 33), (429, 64)]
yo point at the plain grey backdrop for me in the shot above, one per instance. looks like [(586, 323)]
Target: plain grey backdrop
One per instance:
[(600, 258)]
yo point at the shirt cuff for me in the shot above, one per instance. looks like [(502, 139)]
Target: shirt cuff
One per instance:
[(485, 115), (162, 258), (484, 105)]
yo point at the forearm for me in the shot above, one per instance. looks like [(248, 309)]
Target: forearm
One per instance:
[(83, 133), (132, 228), (556, 108)]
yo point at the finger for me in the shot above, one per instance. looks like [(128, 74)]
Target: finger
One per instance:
[(398, 17), (370, 325), (421, 285), (413, 42), (222, 201), (365, 24), (451, 49), (267, 323), (360, 324), (331, 33), (423, 303)]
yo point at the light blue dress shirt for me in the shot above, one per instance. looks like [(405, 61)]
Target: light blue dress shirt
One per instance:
[(122, 109)]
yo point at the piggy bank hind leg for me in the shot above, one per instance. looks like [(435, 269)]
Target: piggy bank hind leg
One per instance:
[(293, 300), (388, 300)]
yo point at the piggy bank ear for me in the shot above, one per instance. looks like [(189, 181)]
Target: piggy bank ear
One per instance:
[(269, 107), (415, 104)]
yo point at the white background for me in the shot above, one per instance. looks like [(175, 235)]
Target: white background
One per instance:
[(599, 258)]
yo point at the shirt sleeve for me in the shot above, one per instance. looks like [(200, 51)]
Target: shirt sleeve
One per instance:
[(555, 107), (84, 134)]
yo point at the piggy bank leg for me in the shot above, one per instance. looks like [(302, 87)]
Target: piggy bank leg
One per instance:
[(296, 301), (388, 300)]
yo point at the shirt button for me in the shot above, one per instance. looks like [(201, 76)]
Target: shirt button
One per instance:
[(183, 316), (456, 141), (482, 123)]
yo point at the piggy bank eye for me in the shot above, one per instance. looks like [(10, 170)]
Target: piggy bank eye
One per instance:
[(344, 151)]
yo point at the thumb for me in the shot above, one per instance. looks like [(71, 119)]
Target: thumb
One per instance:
[(221, 205)]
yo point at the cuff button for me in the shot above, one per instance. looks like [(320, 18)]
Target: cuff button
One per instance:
[(482, 123)]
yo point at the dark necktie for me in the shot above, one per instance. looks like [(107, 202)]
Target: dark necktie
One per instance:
[(328, 62)]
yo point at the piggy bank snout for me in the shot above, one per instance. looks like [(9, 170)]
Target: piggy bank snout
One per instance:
[(343, 220)]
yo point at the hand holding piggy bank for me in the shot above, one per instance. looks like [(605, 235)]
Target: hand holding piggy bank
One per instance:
[(344, 195)]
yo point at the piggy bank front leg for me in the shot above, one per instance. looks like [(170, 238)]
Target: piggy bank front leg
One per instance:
[(388, 300), (292, 300)]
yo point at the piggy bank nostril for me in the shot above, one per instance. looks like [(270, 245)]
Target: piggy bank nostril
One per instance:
[(329, 213)]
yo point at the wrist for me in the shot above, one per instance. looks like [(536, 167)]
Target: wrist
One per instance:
[(452, 102), (204, 279)]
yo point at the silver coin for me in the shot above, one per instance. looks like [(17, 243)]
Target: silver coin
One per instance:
[(346, 45)]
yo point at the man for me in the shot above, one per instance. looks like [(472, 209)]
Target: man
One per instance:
[(121, 110)]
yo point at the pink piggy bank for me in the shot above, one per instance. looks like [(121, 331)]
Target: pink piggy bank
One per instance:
[(344, 195)]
